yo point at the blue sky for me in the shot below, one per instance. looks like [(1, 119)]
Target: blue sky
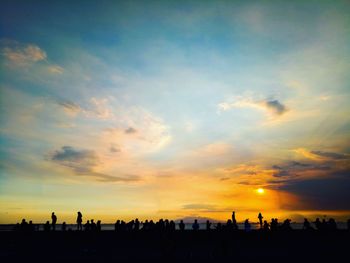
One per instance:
[(160, 106)]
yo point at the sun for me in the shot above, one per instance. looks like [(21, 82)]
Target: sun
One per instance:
[(260, 191)]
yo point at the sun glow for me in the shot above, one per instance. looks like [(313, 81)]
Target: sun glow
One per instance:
[(260, 191)]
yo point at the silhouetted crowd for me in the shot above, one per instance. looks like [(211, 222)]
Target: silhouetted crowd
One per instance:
[(165, 225)]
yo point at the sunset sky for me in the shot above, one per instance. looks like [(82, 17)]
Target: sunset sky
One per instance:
[(174, 109)]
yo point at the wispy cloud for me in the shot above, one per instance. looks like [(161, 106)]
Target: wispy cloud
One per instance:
[(331, 155), (114, 148), (269, 105), (96, 108), (84, 162), (321, 155), (295, 168), (81, 161), (130, 130), (70, 108), (22, 55), (55, 69)]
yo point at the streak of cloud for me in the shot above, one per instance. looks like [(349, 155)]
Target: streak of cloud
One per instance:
[(83, 162), (272, 106)]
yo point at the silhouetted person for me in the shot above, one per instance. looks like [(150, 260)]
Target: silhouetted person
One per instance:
[(318, 224), (130, 225), (247, 226), (87, 226), (137, 224), (79, 221), (151, 225), (145, 225), (17, 227), (172, 226), (286, 225), (98, 225), (208, 225), (92, 225), (274, 224), (64, 226), (324, 224), (332, 225), (195, 225), (229, 225), (31, 227), (266, 226), (260, 220), (182, 225), (233, 217), (122, 226), (47, 226), (54, 220), (24, 225), (234, 221), (307, 225), (117, 225)]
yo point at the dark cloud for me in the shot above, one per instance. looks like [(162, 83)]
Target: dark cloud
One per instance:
[(331, 193), (276, 167), (281, 173), (109, 178), (225, 178), (114, 149), (130, 130), (293, 168), (276, 106), (331, 155), (248, 183), (70, 106), (83, 162), (299, 164)]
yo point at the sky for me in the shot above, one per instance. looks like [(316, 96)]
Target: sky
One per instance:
[(174, 109)]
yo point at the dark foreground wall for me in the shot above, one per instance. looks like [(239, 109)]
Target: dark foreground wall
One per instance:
[(187, 246)]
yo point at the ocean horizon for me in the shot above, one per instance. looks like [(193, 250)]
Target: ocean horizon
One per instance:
[(188, 226)]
